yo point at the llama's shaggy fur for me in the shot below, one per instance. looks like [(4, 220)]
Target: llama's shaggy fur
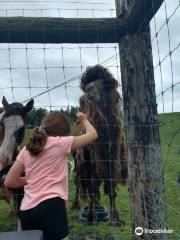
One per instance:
[(105, 159)]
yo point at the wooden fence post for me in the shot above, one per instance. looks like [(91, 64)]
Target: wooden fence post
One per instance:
[(142, 128)]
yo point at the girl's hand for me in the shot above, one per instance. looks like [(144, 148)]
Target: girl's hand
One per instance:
[(90, 134), (81, 117)]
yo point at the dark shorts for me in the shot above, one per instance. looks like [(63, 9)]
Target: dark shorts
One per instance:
[(49, 216)]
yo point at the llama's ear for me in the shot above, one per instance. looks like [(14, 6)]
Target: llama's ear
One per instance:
[(5, 103), (28, 107)]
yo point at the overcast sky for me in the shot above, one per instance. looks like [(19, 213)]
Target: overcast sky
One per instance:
[(22, 67)]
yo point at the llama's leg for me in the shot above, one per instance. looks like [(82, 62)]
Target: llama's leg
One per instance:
[(110, 190), (77, 175), (124, 167), (11, 211), (76, 205), (90, 216), (18, 225), (91, 194), (7, 196), (11, 206), (114, 215), (17, 198), (94, 195)]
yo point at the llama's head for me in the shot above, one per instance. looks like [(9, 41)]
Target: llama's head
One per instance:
[(94, 92), (99, 85), (12, 128)]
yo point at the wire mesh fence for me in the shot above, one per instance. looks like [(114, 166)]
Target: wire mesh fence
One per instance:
[(50, 73)]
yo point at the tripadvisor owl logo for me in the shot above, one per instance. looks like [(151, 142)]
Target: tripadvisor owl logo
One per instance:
[(139, 231)]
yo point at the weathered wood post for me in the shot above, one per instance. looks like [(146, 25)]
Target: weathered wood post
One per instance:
[(141, 120)]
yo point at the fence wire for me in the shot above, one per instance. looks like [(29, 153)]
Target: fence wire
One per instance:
[(50, 74)]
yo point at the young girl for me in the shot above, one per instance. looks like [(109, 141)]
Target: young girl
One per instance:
[(45, 163)]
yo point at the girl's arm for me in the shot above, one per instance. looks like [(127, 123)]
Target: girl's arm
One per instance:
[(88, 137), (13, 178)]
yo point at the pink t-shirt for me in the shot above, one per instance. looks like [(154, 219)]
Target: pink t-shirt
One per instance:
[(46, 174)]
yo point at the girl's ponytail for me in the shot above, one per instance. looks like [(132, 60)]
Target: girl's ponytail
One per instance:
[(37, 141), (54, 124)]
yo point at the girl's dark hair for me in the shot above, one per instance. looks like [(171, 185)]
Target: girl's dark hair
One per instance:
[(54, 124)]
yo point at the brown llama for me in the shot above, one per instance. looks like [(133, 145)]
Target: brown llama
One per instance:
[(105, 159)]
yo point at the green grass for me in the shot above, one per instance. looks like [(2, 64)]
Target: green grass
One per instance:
[(170, 144), (171, 162), (7, 222)]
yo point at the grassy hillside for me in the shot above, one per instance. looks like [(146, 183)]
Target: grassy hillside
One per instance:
[(170, 141)]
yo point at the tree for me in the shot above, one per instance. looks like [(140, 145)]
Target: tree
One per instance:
[(35, 117)]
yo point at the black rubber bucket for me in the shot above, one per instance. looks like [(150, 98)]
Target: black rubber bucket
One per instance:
[(101, 214)]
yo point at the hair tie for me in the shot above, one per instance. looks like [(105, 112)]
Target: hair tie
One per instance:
[(42, 129)]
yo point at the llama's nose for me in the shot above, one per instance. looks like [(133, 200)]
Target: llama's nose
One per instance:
[(89, 87)]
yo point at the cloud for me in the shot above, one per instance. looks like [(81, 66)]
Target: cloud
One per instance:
[(29, 69)]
